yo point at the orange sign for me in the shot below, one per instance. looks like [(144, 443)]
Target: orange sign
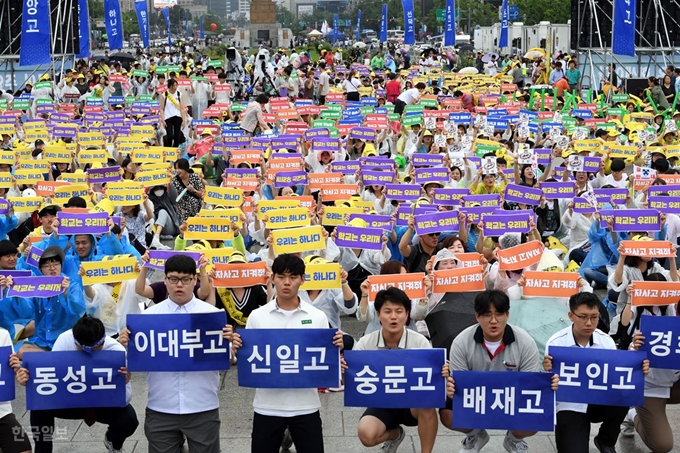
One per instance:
[(550, 284), (655, 293), (306, 201), (520, 256), (648, 249), (240, 275), (245, 184), (333, 192), (412, 284), (318, 180), (254, 156), (47, 188), (458, 280), (671, 179), (469, 259), (287, 114)]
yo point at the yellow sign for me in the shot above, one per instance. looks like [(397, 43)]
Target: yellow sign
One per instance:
[(212, 229), (103, 206), (233, 214), (295, 240), (125, 193), (170, 154), (263, 206), (6, 180), (142, 131), (7, 129), (223, 196), (335, 215), (27, 177), (130, 148), (322, 276), (587, 145), (92, 156), (57, 154), (38, 134), (79, 177), (7, 157), (26, 204), (150, 178), (116, 270), (217, 256), (86, 139), (144, 155), (64, 193), (287, 218), (37, 166)]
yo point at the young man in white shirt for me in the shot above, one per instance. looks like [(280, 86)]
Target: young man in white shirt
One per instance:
[(294, 409), (378, 426), (88, 334), (572, 430), (182, 404)]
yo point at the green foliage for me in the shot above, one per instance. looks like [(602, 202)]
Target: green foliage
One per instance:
[(217, 52), (557, 12), (130, 23), (286, 18), (95, 9)]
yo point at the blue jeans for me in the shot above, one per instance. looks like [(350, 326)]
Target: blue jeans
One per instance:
[(597, 276)]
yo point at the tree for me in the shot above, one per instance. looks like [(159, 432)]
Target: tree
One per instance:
[(285, 17), (533, 11), (130, 23), (95, 8)]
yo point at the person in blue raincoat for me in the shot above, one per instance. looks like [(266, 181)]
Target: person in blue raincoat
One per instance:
[(57, 314), (13, 310)]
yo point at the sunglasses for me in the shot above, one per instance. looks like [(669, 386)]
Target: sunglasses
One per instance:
[(433, 234)]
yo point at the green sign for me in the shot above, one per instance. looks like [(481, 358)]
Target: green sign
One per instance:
[(145, 97), (129, 100), (334, 107), (173, 68), (428, 102), (367, 110), (3, 104), (616, 98), (21, 105), (568, 121), (393, 116), (441, 15), (413, 108), (335, 133), (389, 108), (204, 79), (412, 120), (139, 73), (43, 85), (323, 123), (330, 114), (161, 69), (43, 101), (237, 107), (215, 63)]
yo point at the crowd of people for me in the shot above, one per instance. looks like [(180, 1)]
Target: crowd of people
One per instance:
[(175, 126)]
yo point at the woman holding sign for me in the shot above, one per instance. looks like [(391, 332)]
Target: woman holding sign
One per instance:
[(190, 188)]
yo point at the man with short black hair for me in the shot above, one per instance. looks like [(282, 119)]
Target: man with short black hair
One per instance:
[(492, 345), (324, 83), (393, 309)]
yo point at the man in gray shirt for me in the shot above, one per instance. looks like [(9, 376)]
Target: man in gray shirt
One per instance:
[(324, 83), (492, 345)]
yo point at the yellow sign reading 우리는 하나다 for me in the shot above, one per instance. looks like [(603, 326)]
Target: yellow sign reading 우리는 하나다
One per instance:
[(215, 229), (295, 240), (287, 218), (224, 196), (322, 276), (116, 270)]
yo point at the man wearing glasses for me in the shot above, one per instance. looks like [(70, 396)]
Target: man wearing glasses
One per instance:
[(417, 255), (492, 345), (572, 431), (182, 404)]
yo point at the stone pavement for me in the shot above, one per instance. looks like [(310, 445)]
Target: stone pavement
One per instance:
[(339, 423)]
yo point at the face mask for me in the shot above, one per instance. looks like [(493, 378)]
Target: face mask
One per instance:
[(159, 192)]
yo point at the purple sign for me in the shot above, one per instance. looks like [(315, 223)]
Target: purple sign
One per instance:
[(665, 204), (290, 178), (102, 175), (543, 156), (15, 274), (558, 190), (427, 160), (157, 258), (672, 190), (140, 110), (326, 144), (36, 287), (316, 132), (290, 141), (439, 222), (490, 200), (474, 214), (425, 208), (359, 238), (238, 173), (499, 224), (60, 117), (583, 206), (630, 220), (403, 192), (521, 194), (4, 206), (90, 223), (376, 178), (34, 254), (348, 167), (375, 220), (363, 133), (611, 195), (449, 197), (428, 175)]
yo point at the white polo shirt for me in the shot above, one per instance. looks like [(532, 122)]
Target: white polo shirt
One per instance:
[(286, 402), (565, 337)]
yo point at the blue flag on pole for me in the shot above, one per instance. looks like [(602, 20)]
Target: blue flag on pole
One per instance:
[(399, 379), (83, 30), (290, 358), (143, 19), (202, 35), (35, 34), (505, 23), (335, 28), (74, 379), (450, 26), (383, 24), (114, 24), (358, 35), (191, 342), (166, 14), (623, 28), (409, 22), (503, 400)]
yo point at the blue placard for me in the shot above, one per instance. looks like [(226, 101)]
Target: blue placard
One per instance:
[(503, 400), (623, 28), (398, 378), (7, 389), (662, 341), (177, 342), (74, 379), (462, 117), (288, 358), (599, 376), (582, 113)]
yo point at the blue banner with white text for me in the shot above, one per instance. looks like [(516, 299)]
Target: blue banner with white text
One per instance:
[(35, 33), (83, 30), (74, 379), (143, 19), (623, 28), (409, 22), (288, 358), (202, 34), (114, 24), (450, 25), (505, 24), (503, 400), (335, 28), (383, 24), (166, 14), (358, 33), (662, 341), (7, 382), (599, 376), (178, 342), (398, 378)]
